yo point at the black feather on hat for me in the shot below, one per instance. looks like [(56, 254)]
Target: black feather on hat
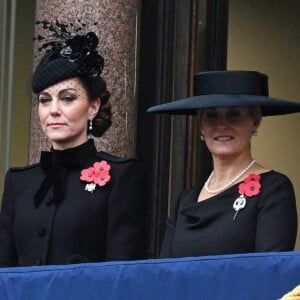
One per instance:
[(229, 89), (68, 55)]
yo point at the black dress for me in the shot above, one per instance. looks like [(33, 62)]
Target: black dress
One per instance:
[(48, 217), (268, 222)]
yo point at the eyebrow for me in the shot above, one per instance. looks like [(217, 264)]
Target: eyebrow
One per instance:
[(60, 92)]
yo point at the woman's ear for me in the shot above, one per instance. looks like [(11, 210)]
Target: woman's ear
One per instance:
[(94, 108), (200, 126), (256, 124)]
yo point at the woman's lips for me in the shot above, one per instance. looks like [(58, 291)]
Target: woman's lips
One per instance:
[(223, 138), (56, 124)]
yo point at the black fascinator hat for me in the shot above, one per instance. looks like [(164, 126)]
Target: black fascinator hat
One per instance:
[(229, 89), (67, 54)]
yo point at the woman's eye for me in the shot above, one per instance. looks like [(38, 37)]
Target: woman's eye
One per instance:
[(68, 98), (211, 115), (233, 114), (44, 100)]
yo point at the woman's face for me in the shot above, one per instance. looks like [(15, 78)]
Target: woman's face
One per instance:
[(227, 131), (64, 109)]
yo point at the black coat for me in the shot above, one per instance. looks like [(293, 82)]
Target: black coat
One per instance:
[(268, 222), (107, 224)]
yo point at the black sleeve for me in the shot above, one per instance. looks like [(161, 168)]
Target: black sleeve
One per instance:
[(8, 255), (127, 215), (166, 248), (277, 217)]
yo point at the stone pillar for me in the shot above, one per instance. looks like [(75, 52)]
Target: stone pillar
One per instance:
[(116, 28)]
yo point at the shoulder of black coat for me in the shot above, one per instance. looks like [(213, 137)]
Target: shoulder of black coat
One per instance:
[(113, 158), (28, 167)]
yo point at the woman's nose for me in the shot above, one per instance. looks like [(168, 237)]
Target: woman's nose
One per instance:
[(222, 121), (54, 108)]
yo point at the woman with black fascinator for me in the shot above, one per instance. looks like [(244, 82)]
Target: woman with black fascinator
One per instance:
[(77, 204)]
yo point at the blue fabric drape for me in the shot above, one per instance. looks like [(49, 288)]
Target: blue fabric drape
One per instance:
[(244, 276)]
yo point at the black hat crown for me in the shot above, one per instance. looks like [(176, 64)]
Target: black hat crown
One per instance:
[(231, 82), (67, 54)]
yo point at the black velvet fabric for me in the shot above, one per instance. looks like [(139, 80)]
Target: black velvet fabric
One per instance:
[(56, 163)]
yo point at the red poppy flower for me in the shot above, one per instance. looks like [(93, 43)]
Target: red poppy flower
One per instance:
[(102, 179), (87, 175), (252, 177), (251, 186), (101, 167), (98, 174)]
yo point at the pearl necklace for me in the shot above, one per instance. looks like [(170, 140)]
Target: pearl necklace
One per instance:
[(228, 183)]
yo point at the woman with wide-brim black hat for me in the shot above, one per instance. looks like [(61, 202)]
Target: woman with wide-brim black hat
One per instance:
[(242, 206)]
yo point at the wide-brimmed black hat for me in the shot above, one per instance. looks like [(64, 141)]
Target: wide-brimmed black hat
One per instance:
[(229, 89)]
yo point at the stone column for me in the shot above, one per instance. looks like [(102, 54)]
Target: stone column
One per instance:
[(117, 23)]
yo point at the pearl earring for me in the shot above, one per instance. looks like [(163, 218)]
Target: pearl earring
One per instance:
[(91, 125), (202, 137), (254, 133)]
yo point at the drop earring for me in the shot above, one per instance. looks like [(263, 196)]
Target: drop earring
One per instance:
[(202, 137), (90, 125)]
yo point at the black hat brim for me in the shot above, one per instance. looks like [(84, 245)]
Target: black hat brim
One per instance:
[(189, 106)]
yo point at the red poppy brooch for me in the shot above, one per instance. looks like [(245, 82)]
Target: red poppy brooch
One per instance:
[(98, 174), (249, 187)]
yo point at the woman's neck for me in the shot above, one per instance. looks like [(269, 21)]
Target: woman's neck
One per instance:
[(226, 169), (68, 145), (228, 172)]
